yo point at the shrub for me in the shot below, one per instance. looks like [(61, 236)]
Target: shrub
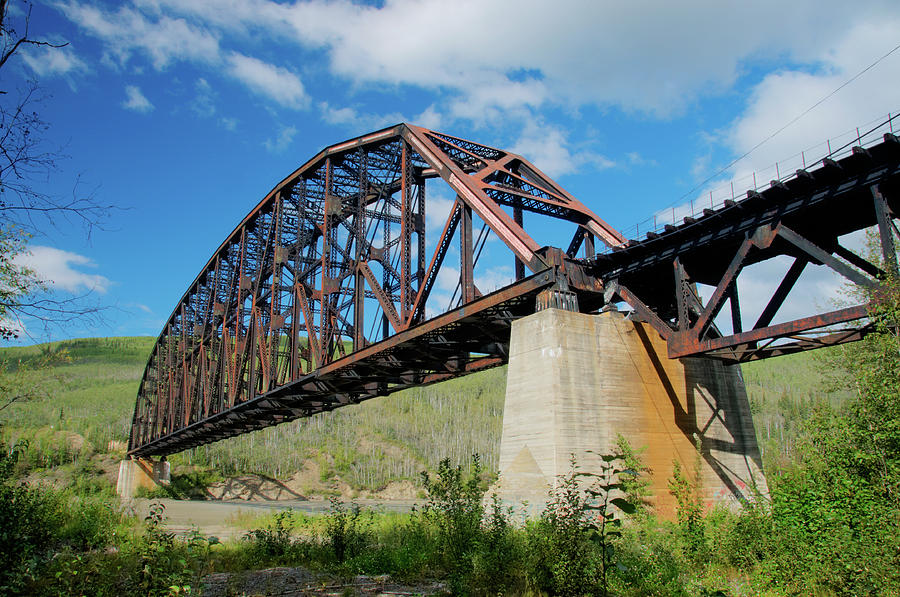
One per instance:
[(454, 507), (497, 562), (572, 547), (345, 529), (685, 487), (274, 541)]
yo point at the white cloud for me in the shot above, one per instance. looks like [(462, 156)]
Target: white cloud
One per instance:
[(782, 96), (494, 278), (282, 141), (430, 118), (332, 115), (653, 58), (437, 207), (128, 30), (548, 148), (448, 276), (352, 119), (136, 101), (204, 103), (44, 61), (58, 268), (274, 82), (229, 124)]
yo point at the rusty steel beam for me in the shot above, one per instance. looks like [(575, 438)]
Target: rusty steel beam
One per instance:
[(322, 295), (332, 262), (802, 218)]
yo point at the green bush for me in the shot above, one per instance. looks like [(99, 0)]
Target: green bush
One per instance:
[(274, 542), (498, 559), (650, 561), (454, 508), (346, 530)]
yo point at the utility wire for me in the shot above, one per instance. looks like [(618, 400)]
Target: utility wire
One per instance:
[(805, 112)]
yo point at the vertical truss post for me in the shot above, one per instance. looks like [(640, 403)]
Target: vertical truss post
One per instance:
[(331, 208), (882, 215), (520, 221), (275, 317), (466, 267), (734, 301), (406, 213), (682, 290), (589, 250), (420, 234), (359, 229)]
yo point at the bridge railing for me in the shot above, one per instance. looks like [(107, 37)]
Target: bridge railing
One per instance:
[(736, 189)]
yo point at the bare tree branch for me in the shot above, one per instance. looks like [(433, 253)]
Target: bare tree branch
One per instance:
[(27, 163), (12, 42)]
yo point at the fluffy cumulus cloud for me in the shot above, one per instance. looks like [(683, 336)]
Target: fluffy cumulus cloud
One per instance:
[(549, 149), (277, 83), (45, 61), (60, 269), (652, 59), (128, 30), (144, 29), (135, 100), (784, 95)]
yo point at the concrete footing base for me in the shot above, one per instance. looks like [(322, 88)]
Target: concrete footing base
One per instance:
[(576, 381), (140, 472)]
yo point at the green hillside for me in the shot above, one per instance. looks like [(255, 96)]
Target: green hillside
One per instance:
[(91, 396)]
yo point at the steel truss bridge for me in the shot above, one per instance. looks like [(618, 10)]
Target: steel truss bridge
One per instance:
[(328, 293)]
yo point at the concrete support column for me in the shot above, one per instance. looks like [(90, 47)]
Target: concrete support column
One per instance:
[(141, 472), (575, 381)]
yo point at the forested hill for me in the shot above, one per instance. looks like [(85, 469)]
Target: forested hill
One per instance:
[(83, 402)]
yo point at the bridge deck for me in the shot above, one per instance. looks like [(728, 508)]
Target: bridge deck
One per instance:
[(471, 338)]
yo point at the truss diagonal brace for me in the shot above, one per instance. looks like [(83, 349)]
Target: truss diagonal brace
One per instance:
[(780, 330), (883, 217), (313, 340), (787, 283), (500, 223), (821, 255), (613, 287), (382, 297)]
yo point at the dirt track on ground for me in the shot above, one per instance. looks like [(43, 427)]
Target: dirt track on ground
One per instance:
[(215, 517)]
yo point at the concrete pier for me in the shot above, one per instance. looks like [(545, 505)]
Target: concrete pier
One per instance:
[(575, 381), (141, 472)]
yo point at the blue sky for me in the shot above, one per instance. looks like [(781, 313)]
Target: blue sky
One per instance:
[(185, 113)]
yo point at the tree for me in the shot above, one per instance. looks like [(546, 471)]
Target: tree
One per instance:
[(26, 162)]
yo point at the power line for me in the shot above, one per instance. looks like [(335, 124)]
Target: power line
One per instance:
[(804, 113)]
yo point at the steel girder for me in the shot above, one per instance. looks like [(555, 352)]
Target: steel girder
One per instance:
[(302, 307), (320, 297), (802, 218)]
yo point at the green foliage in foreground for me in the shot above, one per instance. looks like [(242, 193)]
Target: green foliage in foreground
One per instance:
[(827, 529), (818, 536)]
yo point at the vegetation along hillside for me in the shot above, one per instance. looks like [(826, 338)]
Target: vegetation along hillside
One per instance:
[(83, 401)]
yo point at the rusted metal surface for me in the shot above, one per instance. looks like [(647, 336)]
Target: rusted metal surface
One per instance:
[(802, 218), (323, 295)]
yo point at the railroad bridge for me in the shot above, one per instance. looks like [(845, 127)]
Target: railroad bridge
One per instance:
[(334, 290)]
